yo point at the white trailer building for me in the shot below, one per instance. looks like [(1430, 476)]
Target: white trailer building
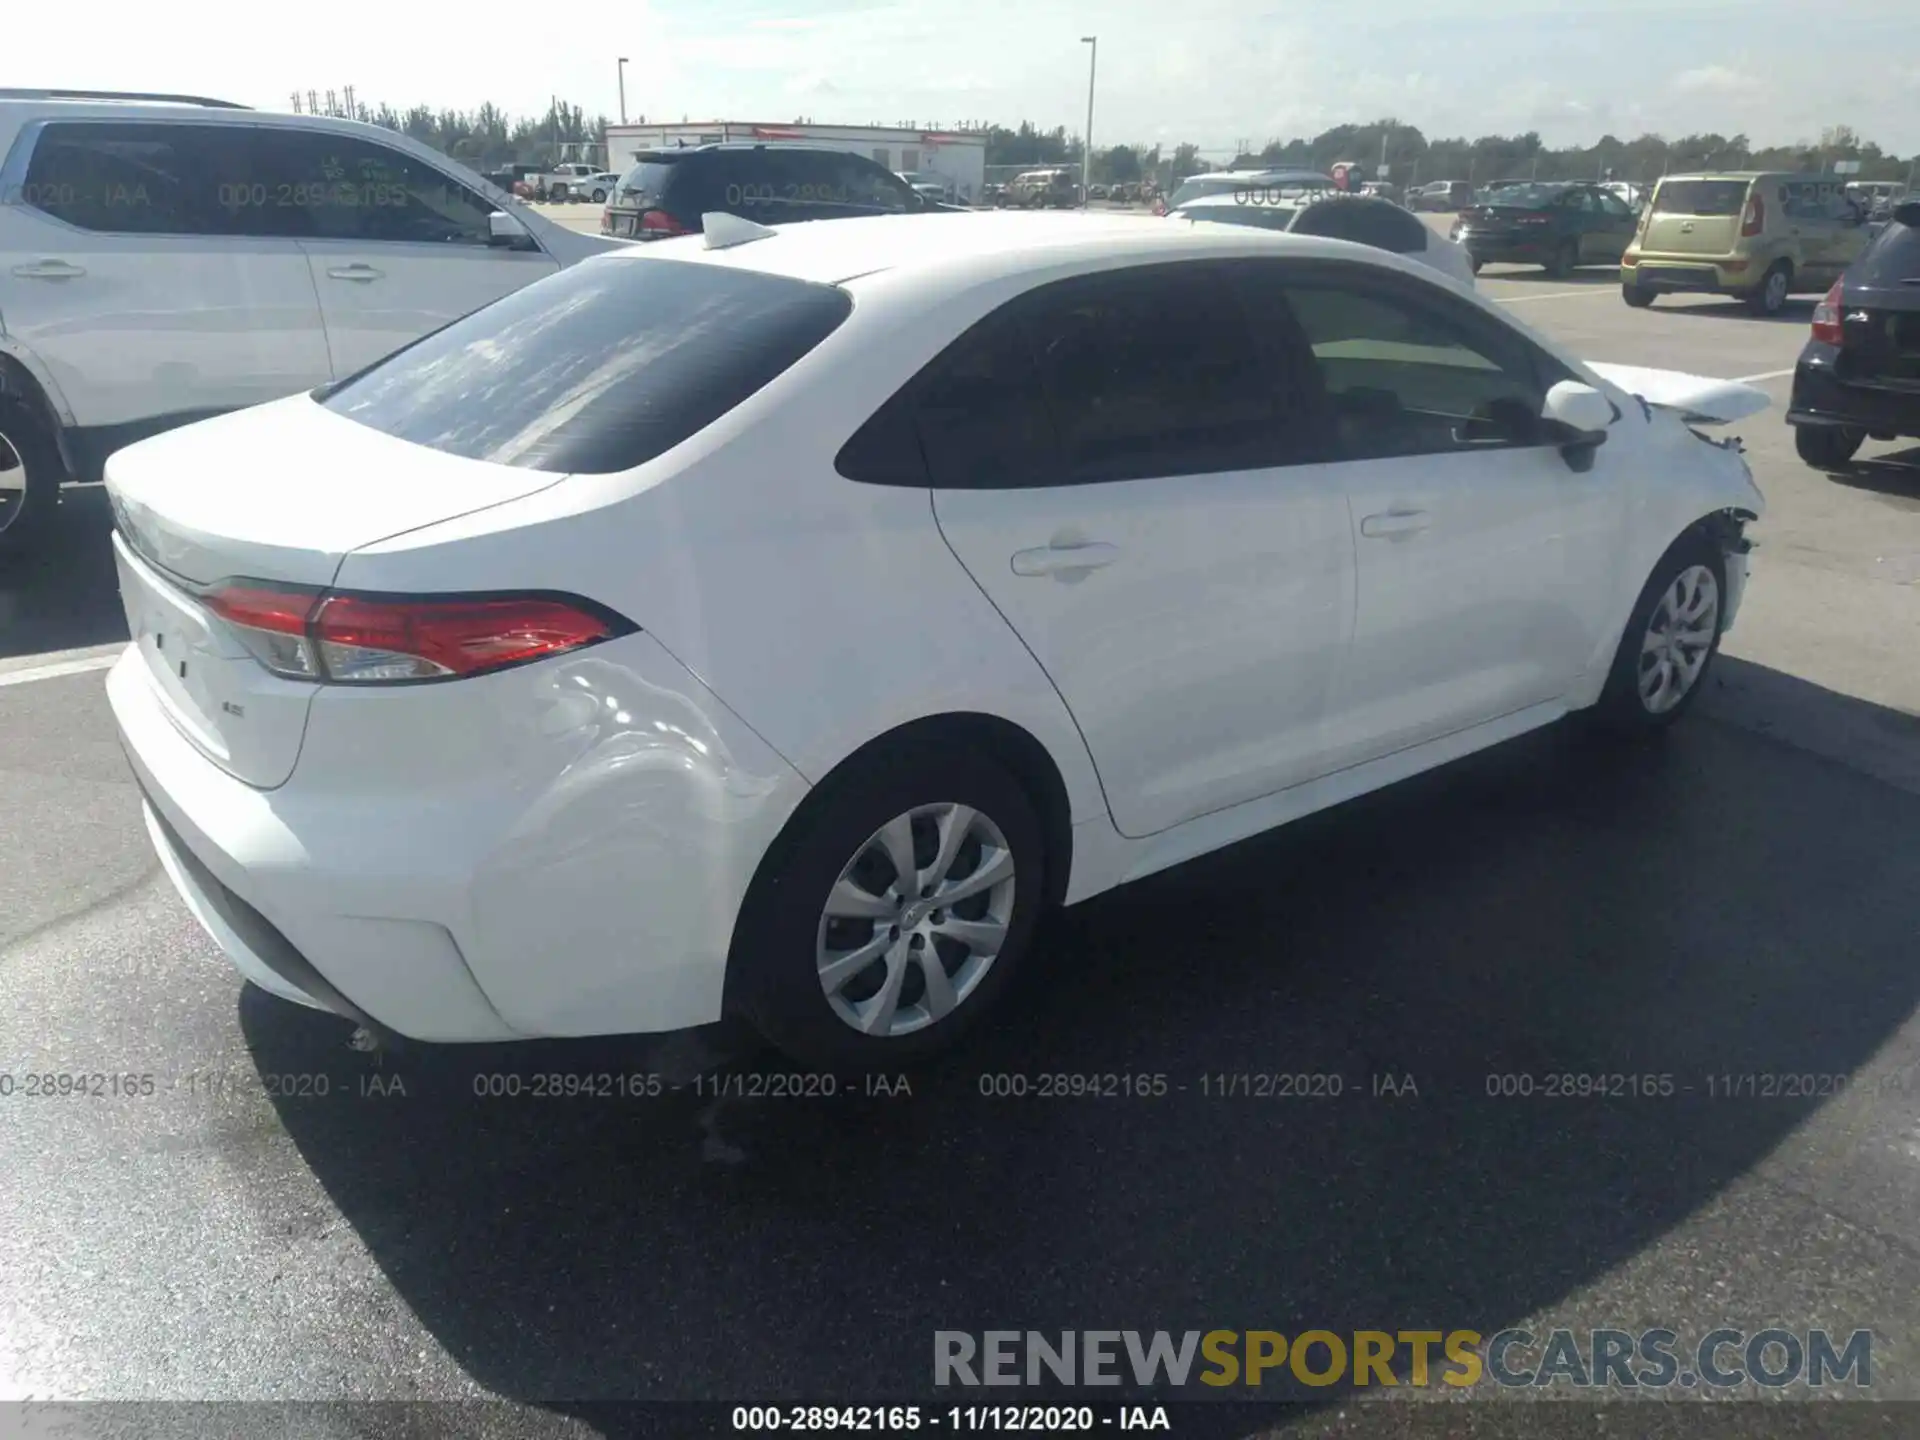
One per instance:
[(956, 157)]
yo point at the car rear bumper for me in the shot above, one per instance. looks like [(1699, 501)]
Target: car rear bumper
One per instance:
[(562, 854), (1496, 248), (1665, 274), (1822, 397)]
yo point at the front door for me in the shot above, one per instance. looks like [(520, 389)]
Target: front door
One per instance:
[(1481, 554), (1106, 460), (395, 249)]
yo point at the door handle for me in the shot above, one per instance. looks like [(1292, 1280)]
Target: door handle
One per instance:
[(1064, 560), (362, 273), (1393, 524), (49, 270)]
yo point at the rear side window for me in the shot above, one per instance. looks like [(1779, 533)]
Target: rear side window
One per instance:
[(646, 181), (134, 178), (1700, 197), (596, 369)]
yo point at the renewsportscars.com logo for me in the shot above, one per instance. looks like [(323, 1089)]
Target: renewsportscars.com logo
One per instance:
[(1271, 1360)]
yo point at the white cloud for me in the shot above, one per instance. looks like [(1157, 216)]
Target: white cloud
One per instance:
[(1714, 80)]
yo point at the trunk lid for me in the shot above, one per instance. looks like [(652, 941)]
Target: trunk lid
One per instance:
[(1698, 399), (1695, 217), (280, 492)]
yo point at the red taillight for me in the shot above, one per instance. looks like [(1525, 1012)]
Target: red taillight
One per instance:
[(375, 639), (1827, 325), (1754, 218), (606, 222), (1159, 206), (658, 224)]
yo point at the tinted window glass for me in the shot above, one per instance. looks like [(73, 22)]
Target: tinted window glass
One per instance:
[(645, 181), (775, 184), (1149, 372), (1893, 258), (982, 419), (1365, 222), (1700, 197), (1262, 217), (1406, 377), (595, 369), (1615, 206), (143, 178), (335, 187)]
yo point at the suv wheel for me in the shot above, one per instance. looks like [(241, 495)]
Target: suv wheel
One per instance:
[(1770, 297), (1827, 447), (894, 911), (599, 197), (30, 471)]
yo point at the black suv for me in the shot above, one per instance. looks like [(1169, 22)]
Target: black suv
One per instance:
[(667, 191), (1860, 373)]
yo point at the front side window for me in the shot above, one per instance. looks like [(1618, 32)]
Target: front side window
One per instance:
[(143, 177), (596, 369), (1413, 376), (1616, 207), (334, 187)]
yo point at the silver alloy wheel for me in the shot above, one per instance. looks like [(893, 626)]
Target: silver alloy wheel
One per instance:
[(916, 919), (13, 481), (1680, 635), (1776, 295)]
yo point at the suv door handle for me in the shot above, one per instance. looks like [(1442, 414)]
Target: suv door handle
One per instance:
[(1393, 524), (362, 273), (1064, 560), (49, 270)]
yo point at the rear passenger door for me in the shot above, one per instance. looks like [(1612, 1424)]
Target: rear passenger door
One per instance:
[(135, 267), (395, 247), (1106, 456)]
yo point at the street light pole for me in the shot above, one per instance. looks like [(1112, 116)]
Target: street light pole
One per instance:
[(1086, 152), (623, 89)]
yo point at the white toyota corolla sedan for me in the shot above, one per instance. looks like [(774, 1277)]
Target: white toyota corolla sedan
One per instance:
[(771, 624)]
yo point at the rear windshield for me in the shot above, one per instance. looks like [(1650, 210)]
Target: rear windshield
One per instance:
[(644, 181), (596, 369), (1893, 259), (1700, 197)]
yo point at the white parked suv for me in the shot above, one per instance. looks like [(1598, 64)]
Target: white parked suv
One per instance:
[(167, 258)]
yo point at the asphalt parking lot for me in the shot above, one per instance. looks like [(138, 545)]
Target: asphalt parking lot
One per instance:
[(1742, 901)]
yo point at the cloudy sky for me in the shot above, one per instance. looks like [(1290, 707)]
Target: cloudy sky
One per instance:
[(1211, 71)]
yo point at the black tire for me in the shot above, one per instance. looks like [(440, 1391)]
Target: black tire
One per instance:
[(773, 977), (26, 444), (1621, 710), (1769, 297), (599, 197), (1476, 262), (1827, 447), (1566, 259), (1638, 296)]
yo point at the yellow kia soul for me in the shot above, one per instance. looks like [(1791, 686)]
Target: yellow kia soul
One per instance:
[(1759, 235)]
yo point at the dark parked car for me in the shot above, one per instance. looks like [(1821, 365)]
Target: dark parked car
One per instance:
[(1559, 226), (1859, 374), (667, 191)]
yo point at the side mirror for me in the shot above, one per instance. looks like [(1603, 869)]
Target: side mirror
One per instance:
[(508, 233), (1575, 417)]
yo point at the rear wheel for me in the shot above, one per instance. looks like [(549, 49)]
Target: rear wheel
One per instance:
[(1770, 296), (1638, 296), (30, 471), (893, 912), (1565, 259), (1669, 642), (1827, 447)]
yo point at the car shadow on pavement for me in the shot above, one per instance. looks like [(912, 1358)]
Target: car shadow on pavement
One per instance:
[(1717, 903), (1895, 474), (1797, 311), (63, 594)]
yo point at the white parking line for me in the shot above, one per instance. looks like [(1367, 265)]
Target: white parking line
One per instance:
[(1550, 295), (1764, 375), (58, 664)]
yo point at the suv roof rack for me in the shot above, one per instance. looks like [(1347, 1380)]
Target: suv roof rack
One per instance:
[(7, 93)]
